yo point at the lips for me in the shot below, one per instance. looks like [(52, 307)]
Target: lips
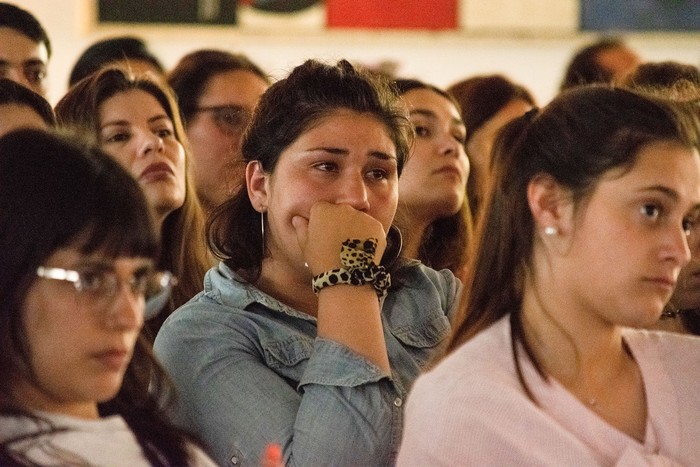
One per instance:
[(156, 171), (450, 170), (663, 282), (113, 359)]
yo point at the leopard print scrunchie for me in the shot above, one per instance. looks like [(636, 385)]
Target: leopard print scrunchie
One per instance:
[(357, 258)]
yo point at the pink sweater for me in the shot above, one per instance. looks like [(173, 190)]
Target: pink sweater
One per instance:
[(471, 410)]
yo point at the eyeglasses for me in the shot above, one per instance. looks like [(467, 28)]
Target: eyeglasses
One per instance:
[(98, 288), (229, 118)]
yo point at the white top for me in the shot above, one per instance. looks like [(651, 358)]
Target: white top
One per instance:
[(472, 410), (105, 442)]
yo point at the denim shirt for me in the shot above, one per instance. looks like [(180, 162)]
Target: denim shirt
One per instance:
[(250, 370)]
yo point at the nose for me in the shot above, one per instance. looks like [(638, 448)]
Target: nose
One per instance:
[(449, 146), (353, 192), (679, 247), (127, 310), (151, 143)]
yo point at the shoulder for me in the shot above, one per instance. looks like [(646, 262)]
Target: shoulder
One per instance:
[(482, 362), (670, 347), (478, 412), (678, 354), (476, 409), (417, 275), (198, 458), (427, 288)]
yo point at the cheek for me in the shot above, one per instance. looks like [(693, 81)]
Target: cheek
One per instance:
[(387, 208), (123, 157), (177, 155), (49, 328)]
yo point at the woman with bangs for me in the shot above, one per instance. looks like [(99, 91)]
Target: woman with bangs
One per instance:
[(136, 121), (77, 384)]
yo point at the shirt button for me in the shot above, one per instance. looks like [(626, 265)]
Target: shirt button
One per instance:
[(398, 402), (234, 460)]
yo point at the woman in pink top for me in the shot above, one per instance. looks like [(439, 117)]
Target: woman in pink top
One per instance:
[(584, 235)]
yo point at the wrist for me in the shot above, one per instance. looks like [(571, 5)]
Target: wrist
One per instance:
[(358, 268)]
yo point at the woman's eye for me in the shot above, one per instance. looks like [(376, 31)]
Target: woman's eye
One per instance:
[(117, 138), (422, 131), (93, 281), (377, 174), (688, 226), (461, 138), (651, 211), (327, 167), (164, 133)]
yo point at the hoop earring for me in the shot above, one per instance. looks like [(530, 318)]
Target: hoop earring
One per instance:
[(262, 231), (394, 243)]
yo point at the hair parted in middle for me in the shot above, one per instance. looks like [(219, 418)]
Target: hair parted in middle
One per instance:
[(183, 246)]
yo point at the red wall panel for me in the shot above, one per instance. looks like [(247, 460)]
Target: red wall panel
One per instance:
[(405, 14)]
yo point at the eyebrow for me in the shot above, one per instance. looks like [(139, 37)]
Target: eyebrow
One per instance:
[(344, 152), (670, 192), (126, 122), (28, 62), (430, 114)]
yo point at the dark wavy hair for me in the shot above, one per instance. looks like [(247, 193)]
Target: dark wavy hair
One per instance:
[(576, 139), (55, 193), (285, 111)]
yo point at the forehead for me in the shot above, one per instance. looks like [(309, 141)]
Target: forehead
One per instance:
[(233, 86), (427, 99), (133, 101), (73, 257), (17, 48), (339, 124), (667, 164)]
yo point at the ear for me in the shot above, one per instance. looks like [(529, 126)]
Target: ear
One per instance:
[(550, 204), (256, 184)]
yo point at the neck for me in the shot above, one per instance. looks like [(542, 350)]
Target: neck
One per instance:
[(291, 287), (569, 343), (32, 399), (412, 236)]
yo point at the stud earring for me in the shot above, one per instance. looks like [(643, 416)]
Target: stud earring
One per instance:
[(549, 230)]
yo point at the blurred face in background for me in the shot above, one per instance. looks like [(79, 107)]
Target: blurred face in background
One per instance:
[(79, 342), (22, 60), (215, 131), (432, 184)]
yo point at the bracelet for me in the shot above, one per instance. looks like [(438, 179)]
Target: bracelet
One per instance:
[(357, 258)]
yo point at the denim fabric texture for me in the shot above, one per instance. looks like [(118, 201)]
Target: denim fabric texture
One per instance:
[(250, 370)]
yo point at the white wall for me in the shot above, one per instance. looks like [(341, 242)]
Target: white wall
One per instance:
[(536, 60)]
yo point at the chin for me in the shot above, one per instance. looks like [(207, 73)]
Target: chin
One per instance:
[(167, 205), (107, 390)]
